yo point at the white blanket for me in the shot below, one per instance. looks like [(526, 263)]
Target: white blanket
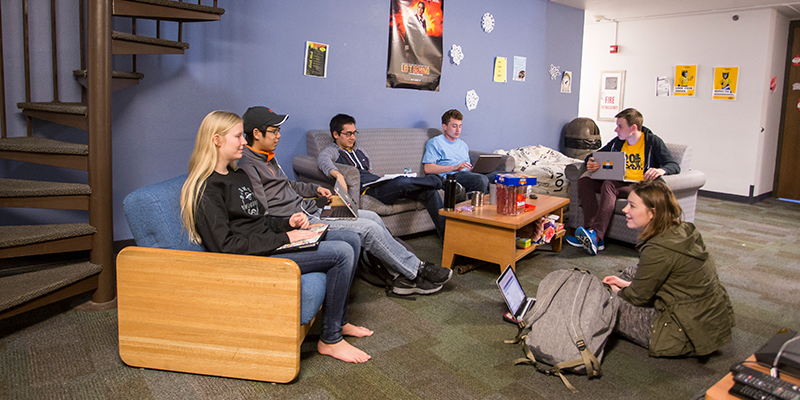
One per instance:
[(546, 164)]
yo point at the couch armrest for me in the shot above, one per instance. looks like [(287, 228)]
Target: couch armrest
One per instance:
[(574, 171), (306, 170), (686, 180), (174, 306), (506, 165)]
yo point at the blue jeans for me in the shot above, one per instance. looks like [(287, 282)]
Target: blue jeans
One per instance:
[(377, 240), (337, 257), (422, 189), (472, 181)]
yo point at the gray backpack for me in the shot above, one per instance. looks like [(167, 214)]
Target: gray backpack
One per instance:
[(568, 327)]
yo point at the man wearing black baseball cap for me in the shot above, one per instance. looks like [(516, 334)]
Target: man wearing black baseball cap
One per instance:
[(282, 197)]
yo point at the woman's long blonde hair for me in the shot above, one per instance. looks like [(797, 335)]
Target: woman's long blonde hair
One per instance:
[(201, 165)]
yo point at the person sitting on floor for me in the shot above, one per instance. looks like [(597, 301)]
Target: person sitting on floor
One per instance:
[(672, 302)]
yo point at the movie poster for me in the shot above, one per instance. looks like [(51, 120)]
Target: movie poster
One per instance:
[(415, 44)]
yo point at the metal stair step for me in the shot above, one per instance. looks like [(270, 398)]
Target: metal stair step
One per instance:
[(128, 43), (119, 79), (45, 151), (69, 114), (82, 73), (41, 194), (26, 240), (166, 10), (57, 281)]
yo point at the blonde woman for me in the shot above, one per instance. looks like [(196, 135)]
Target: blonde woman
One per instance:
[(220, 211), (671, 302)]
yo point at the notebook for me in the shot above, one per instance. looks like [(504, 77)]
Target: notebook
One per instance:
[(518, 303), (347, 211), (612, 166), (487, 163), (320, 229)]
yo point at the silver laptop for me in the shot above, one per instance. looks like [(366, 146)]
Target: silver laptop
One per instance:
[(518, 303), (487, 163), (347, 211), (612, 166)]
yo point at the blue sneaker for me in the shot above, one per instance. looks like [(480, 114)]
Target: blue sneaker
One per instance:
[(573, 241), (588, 239), (601, 245)]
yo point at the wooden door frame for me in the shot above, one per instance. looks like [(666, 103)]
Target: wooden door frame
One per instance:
[(784, 108)]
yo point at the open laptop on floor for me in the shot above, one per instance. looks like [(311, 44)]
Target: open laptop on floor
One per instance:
[(518, 303), (486, 163), (347, 211)]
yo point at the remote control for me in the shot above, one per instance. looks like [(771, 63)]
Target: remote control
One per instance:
[(776, 387)]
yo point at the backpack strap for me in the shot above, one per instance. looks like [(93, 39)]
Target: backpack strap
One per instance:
[(555, 370), (589, 360)]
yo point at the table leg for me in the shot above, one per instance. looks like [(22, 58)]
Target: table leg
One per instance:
[(482, 242), (555, 244)]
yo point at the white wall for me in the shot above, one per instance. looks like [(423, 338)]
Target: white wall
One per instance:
[(726, 136)]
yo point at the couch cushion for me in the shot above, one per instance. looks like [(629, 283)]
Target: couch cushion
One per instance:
[(370, 203)]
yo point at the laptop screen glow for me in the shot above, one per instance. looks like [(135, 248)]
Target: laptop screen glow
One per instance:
[(512, 290)]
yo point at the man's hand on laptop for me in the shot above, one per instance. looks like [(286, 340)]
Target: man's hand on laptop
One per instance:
[(299, 220), (324, 192), (463, 165), (653, 173), (592, 165)]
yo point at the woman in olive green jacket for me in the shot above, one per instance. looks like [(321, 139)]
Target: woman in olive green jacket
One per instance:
[(672, 301)]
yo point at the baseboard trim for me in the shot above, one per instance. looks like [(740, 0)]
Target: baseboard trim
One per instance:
[(733, 197)]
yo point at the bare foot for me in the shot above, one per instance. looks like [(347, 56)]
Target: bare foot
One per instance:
[(343, 351), (349, 329)]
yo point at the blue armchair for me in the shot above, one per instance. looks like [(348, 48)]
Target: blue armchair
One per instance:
[(183, 309)]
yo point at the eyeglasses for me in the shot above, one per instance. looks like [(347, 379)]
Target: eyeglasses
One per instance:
[(276, 129), (349, 134)]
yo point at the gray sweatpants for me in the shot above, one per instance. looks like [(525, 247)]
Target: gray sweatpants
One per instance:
[(635, 323)]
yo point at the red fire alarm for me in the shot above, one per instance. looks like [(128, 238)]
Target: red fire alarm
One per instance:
[(614, 49)]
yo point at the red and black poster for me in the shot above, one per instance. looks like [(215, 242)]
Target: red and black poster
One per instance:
[(415, 44)]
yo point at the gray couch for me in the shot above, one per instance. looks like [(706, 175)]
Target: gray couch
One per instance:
[(390, 151), (685, 186)]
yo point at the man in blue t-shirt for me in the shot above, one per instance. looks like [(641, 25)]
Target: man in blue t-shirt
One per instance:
[(447, 154)]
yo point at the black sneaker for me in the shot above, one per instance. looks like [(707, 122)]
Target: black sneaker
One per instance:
[(434, 274), (404, 286)]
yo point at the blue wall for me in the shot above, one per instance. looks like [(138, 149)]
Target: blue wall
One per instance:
[(254, 56)]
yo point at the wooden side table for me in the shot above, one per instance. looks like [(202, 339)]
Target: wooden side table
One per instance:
[(485, 235)]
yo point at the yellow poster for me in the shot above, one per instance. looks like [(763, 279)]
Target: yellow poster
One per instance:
[(685, 81), (725, 80), (500, 69)]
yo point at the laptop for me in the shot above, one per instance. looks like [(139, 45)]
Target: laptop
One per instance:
[(487, 163), (612, 166), (345, 212), (313, 242), (518, 303)]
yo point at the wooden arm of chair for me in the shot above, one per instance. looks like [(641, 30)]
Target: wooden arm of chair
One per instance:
[(209, 313)]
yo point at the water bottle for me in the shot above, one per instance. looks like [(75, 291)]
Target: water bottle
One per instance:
[(450, 188)]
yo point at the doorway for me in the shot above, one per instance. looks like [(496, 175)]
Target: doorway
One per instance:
[(788, 167)]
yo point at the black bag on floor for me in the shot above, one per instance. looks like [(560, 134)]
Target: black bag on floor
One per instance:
[(569, 325), (374, 272)]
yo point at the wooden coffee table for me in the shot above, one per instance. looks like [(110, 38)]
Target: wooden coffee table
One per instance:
[(485, 235)]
